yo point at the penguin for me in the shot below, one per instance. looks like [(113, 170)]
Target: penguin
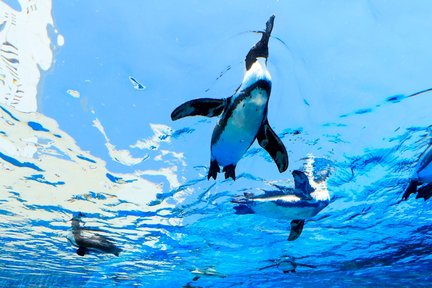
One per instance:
[(86, 239), (422, 176), (302, 202), (209, 271), (243, 116), (287, 264)]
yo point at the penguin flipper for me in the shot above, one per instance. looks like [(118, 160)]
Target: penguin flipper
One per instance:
[(204, 107), (296, 229), (412, 188), (307, 265), (269, 140)]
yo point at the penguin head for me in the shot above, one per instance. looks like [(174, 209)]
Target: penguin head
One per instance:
[(260, 49), (77, 216), (76, 220)]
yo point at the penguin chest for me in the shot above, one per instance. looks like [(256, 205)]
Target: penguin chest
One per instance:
[(231, 141), (272, 210)]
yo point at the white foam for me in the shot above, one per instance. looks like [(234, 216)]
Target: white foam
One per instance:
[(22, 143), (161, 132), (60, 40), (121, 156)]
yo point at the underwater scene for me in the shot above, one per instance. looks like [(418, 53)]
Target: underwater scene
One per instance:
[(249, 143)]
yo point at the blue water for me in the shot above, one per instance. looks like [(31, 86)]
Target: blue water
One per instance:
[(345, 82)]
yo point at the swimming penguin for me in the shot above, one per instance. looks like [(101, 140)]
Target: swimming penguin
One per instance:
[(287, 264), (243, 115), (421, 176), (209, 271), (86, 239), (302, 202)]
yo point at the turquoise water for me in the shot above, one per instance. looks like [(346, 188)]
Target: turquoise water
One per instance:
[(101, 143)]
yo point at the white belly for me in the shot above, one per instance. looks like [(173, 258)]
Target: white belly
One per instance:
[(241, 129), (270, 209)]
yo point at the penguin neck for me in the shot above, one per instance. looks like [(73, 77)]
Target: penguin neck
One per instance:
[(75, 225), (258, 71)]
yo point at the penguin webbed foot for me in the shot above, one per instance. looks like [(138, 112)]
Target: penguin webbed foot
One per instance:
[(411, 189), (81, 251), (230, 171), (213, 170)]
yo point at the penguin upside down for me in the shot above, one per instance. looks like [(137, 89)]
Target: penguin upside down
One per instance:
[(243, 115)]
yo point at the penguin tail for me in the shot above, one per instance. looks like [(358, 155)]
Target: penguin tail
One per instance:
[(116, 251)]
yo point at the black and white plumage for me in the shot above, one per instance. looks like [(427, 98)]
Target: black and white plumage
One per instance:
[(298, 204), (243, 115), (288, 264)]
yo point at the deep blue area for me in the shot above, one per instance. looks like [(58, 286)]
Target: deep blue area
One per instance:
[(118, 180), (9, 113), (86, 159), (17, 163), (37, 126), (41, 179)]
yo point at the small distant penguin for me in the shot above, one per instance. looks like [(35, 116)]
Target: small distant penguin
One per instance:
[(243, 115), (303, 202), (287, 264), (421, 177), (209, 271), (87, 239)]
